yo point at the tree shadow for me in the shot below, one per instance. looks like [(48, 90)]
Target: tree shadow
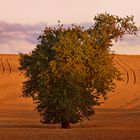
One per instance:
[(38, 126), (41, 126)]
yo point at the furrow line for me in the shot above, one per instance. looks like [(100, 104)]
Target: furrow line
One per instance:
[(3, 68), (10, 69), (127, 74), (134, 74)]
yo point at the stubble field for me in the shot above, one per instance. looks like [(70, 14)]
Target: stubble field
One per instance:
[(117, 119)]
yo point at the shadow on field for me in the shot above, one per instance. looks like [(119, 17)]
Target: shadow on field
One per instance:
[(29, 126), (48, 126)]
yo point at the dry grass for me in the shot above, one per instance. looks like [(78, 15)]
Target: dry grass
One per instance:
[(116, 119)]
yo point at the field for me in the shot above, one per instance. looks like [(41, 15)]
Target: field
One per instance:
[(117, 119)]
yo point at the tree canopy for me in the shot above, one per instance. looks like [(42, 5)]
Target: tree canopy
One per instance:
[(72, 68)]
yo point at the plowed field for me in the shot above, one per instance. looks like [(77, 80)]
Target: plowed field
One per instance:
[(117, 119)]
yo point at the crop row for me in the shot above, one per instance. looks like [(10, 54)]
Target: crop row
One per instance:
[(5, 67), (126, 68)]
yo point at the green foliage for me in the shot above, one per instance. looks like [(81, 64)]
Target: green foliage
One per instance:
[(72, 68)]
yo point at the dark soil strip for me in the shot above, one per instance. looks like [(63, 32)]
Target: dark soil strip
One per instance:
[(3, 68), (127, 74), (10, 69), (134, 74)]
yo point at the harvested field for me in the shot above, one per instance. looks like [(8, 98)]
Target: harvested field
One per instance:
[(116, 119)]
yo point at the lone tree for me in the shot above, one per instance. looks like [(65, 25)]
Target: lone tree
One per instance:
[(72, 68)]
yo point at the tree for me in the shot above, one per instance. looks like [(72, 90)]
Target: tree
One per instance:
[(72, 68)]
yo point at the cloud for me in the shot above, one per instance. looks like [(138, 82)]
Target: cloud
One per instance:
[(15, 47), (16, 38), (10, 32), (129, 45), (133, 40)]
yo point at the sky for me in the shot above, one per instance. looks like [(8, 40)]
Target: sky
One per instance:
[(21, 21)]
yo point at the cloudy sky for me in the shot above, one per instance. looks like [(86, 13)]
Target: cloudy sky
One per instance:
[(21, 21)]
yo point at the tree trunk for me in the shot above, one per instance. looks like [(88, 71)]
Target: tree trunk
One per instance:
[(65, 125)]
